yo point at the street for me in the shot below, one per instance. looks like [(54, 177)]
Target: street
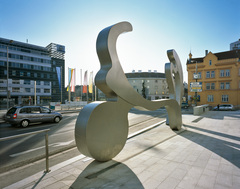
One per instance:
[(28, 149)]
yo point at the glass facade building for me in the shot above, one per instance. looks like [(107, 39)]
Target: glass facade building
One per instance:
[(32, 71)]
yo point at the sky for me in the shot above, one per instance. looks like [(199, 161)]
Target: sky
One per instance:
[(158, 25)]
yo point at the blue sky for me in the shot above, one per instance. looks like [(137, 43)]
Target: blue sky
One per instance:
[(158, 25)]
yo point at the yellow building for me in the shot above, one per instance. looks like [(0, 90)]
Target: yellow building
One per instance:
[(219, 75)]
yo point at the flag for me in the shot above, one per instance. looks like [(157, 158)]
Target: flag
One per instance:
[(59, 76), (85, 83), (90, 87), (73, 79), (80, 77), (69, 78)]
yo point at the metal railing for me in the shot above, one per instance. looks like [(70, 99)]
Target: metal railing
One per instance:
[(32, 133)]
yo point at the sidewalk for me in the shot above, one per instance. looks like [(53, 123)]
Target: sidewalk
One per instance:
[(204, 154)]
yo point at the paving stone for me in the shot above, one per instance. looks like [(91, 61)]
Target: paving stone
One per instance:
[(169, 183), (224, 179)]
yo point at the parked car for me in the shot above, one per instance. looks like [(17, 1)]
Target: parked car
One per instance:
[(224, 107), (24, 115)]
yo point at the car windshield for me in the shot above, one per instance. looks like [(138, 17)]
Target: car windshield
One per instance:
[(12, 111)]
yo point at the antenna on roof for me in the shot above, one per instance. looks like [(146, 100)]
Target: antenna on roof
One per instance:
[(27, 40)]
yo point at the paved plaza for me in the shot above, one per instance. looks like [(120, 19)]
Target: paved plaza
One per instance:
[(204, 154)]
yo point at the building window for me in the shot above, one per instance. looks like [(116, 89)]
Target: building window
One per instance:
[(212, 74), (35, 74), (46, 82), (38, 90), (210, 62), (15, 82), (224, 98), (221, 73), (210, 98), (5, 64), (5, 72), (207, 86), (15, 89), (27, 82), (3, 89), (21, 74), (212, 86), (27, 90), (228, 85), (199, 75), (38, 82), (28, 74), (221, 85), (227, 73), (14, 72), (207, 74), (46, 90)]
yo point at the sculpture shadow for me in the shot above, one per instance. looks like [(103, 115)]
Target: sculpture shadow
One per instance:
[(225, 149), (109, 174)]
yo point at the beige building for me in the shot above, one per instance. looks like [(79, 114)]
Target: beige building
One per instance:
[(155, 84), (219, 75)]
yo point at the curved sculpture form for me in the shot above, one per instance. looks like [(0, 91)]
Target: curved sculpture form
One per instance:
[(102, 127)]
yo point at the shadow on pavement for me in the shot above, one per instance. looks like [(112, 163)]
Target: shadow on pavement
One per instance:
[(225, 149), (110, 174)]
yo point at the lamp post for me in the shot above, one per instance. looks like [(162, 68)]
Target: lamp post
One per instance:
[(8, 92), (61, 84)]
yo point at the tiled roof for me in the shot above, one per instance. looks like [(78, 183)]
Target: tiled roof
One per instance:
[(220, 56)]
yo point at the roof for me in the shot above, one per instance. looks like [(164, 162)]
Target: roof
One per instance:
[(145, 75), (220, 56), (21, 44)]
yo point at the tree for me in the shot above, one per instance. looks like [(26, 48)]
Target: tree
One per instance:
[(143, 90)]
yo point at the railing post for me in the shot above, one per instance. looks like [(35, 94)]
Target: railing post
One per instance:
[(47, 154)]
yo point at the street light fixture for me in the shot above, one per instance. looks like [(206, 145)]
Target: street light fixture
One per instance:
[(8, 92)]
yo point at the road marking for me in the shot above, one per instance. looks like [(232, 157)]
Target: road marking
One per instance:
[(57, 144), (61, 143), (24, 152)]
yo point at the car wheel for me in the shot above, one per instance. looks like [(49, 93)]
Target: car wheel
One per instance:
[(24, 123), (57, 119)]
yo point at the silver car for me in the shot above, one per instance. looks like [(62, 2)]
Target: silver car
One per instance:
[(24, 115)]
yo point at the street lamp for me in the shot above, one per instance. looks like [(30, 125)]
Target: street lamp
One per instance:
[(8, 92)]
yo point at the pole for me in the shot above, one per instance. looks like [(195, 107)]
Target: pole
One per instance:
[(7, 81), (81, 86), (35, 96), (47, 154), (95, 93), (61, 85), (69, 89)]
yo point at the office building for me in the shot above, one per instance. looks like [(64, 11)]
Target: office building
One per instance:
[(26, 65), (235, 45)]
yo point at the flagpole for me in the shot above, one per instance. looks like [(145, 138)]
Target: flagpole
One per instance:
[(95, 93), (69, 88), (81, 87), (92, 85), (75, 82)]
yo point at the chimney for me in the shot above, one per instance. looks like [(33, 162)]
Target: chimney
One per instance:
[(206, 52)]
